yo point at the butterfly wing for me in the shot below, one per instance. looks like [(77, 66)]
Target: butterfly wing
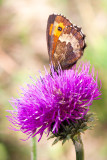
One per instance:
[(55, 26), (65, 42), (69, 48)]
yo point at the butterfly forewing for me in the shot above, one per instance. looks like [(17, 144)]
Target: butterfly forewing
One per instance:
[(55, 26)]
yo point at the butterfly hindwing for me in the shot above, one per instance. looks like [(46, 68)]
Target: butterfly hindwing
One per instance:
[(69, 48)]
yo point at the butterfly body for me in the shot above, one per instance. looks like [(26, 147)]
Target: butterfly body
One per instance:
[(65, 42)]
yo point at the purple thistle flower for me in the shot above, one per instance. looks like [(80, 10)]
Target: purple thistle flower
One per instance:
[(53, 99)]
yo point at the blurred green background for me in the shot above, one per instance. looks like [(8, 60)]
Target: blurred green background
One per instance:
[(23, 52)]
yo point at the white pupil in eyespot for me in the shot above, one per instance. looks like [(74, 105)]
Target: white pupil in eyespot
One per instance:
[(59, 28)]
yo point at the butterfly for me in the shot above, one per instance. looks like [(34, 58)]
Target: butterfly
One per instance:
[(65, 42)]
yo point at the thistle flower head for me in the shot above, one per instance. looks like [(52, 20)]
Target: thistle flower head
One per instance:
[(46, 104)]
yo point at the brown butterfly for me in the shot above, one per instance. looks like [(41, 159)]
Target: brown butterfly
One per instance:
[(65, 42)]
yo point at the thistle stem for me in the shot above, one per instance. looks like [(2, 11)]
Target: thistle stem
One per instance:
[(78, 147), (34, 154)]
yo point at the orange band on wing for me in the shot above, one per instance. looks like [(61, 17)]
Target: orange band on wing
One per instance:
[(50, 29), (55, 39)]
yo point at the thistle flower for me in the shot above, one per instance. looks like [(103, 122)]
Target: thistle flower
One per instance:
[(54, 101)]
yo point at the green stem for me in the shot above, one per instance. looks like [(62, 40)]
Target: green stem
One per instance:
[(34, 154), (78, 147)]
